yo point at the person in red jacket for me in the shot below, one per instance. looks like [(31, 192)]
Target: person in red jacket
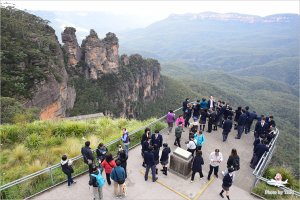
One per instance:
[(108, 164)]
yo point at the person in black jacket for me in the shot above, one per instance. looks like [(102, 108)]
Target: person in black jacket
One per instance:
[(259, 151), (272, 123), (187, 115), (227, 182), (145, 147), (184, 105), (250, 119), (146, 135), (164, 159), (88, 156), (150, 164), (261, 128), (197, 165), (241, 124), (66, 166), (227, 125), (157, 139), (232, 162), (238, 113), (122, 157)]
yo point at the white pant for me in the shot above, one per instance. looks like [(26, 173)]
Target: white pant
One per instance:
[(98, 195)]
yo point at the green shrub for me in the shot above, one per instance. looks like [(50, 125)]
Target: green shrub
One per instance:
[(33, 141)]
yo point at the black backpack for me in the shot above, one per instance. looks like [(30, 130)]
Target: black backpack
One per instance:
[(236, 164)]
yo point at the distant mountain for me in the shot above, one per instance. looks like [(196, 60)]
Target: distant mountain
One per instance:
[(228, 42)]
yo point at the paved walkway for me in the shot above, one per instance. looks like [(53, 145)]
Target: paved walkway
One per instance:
[(172, 186)]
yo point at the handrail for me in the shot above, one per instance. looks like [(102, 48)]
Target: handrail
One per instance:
[(49, 169)]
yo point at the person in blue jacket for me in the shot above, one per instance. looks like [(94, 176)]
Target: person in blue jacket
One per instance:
[(118, 175)]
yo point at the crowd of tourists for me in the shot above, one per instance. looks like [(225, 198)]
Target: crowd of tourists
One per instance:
[(194, 118)]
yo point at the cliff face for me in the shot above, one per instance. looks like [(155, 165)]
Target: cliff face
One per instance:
[(100, 56), (53, 95), (32, 64), (143, 84)]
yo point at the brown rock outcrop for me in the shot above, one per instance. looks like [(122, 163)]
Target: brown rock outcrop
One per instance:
[(71, 46), (100, 56)]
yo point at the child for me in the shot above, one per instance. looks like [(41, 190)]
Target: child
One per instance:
[(66, 166)]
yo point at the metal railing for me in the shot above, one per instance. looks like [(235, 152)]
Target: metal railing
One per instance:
[(264, 161), (49, 170)]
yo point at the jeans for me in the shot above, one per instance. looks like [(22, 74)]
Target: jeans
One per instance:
[(70, 180), (126, 148), (216, 170), (153, 168)]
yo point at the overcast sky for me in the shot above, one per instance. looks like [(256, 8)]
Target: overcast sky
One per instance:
[(157, 10)]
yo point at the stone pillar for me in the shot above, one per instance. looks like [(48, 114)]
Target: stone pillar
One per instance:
[(181, 163)]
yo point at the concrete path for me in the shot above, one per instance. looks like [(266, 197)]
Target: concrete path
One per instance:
[(172, 186)]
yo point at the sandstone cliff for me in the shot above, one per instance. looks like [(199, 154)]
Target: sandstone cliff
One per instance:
[(71, 46), (100, 56), (53, 95)]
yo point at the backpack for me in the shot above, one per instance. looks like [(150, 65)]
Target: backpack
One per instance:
[(236, 164), (99, 179)]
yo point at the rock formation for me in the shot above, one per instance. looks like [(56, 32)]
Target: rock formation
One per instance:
[(100, 56), (71, 46)]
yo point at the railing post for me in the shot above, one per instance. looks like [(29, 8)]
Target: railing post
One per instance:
[(51, 175)]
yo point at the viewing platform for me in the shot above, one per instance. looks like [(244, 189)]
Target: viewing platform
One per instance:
[(172, 186)]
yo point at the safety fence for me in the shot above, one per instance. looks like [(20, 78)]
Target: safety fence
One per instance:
[(52, 176)]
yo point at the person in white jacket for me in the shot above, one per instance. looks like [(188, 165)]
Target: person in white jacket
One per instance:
[(191, 146), (215, 159)]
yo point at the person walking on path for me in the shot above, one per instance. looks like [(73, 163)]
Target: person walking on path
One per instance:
[(88, 156), (178, 133), (215, 159), (97, 188), (149, 160), (108, 164), (170, 120), (118, 175), (66, 166), (197, 165), (164, 159), (126, 140), (227, 182)]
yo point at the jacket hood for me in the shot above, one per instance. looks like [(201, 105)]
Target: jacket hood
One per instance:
[(63, 162)]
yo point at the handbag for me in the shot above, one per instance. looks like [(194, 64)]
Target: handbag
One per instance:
[(71, 169)]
